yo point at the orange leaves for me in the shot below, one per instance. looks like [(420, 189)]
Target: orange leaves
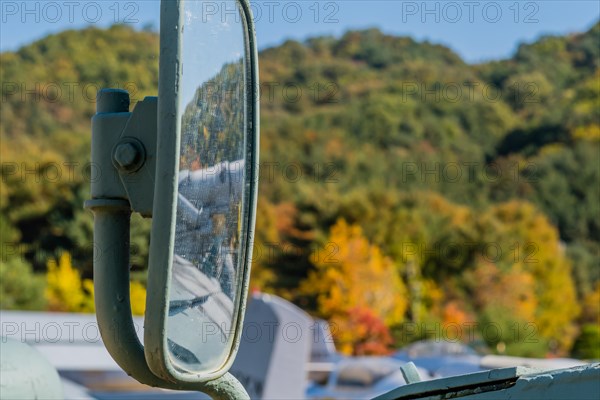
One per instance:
[(454, 314), (355, 276), (514, 290), (361, 332)]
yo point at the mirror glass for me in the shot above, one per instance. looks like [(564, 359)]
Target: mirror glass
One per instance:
[(212, 204)]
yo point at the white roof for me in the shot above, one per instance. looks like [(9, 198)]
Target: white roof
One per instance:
[(70, 341)]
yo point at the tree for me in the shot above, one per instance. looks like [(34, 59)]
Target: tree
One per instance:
[(66, 291), (506, 302), (20, 288), (352, 274), (530, 256), (399, 137), (361, 333)]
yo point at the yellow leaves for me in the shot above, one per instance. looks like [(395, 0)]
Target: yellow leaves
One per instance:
[(66, 291), (535, 282), (138, 298), (355, 274), (513, 290), (432, 298), (591, 306), (525, 236), (589, 132), (522, 292), (438, 204)]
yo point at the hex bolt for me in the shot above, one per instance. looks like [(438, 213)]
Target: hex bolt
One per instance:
[(128, 156)]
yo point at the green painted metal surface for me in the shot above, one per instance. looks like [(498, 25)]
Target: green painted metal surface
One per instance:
[(410, 372), (111, 266), (507, 383), (455, 383), (574, 383)]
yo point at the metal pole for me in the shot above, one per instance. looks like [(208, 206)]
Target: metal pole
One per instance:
[(111, 243)]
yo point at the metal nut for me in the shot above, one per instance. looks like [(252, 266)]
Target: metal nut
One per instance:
[(127, 156)]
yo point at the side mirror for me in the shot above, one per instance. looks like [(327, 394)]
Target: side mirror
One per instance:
[(205, 193), (189, 160)]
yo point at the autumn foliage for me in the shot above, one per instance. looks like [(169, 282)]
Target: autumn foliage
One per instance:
[(357, 287), (402, 207), (362, 333), (67, 291)]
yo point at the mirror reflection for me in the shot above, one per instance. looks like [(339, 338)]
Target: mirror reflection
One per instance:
[(211, 204)]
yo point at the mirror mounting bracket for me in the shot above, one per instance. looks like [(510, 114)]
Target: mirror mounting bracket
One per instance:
[(135, 155), (124, 149)]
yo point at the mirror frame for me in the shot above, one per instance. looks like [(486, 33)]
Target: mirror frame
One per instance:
[(166, 190)]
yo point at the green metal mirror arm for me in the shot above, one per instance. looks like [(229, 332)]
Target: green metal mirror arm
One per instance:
[(112, 211), (113, 309)]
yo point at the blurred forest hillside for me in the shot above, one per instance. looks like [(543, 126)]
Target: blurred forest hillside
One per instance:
[(404, 193)]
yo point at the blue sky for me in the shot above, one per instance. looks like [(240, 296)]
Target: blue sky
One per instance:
[(476, 30)]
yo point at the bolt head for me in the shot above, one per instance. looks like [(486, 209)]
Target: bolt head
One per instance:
[(126, 155)]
